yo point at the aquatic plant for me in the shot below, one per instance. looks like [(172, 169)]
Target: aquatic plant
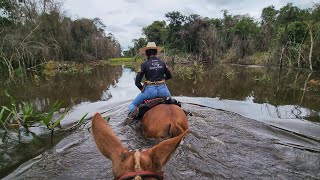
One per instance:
[(194, 72), (230, 74), (264, 79), (47, 118), (52, 68), (127, 62), (3, 119), (87, 69), (15, 116), (28, 111)]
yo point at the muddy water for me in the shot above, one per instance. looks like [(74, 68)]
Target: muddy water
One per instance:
[(220, 145), (249, 123)]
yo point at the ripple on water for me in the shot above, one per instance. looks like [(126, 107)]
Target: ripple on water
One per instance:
[(220, 145)]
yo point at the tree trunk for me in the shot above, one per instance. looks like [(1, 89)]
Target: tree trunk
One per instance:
[(289, 59), (305, 88), (295, 84), (281, 56), (299, 56), (311, 48)]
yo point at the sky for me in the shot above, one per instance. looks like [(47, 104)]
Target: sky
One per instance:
[(126, 18)]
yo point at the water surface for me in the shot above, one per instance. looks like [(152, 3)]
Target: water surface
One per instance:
[(287, 101)]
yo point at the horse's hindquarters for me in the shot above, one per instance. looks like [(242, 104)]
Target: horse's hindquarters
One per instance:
[(164, 120)]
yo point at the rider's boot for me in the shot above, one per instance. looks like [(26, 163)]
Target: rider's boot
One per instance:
[(131, 116)]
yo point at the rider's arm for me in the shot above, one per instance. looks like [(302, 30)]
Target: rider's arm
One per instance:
[(139, 77), (167, 73)]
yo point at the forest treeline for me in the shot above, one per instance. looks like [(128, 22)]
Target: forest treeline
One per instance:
[(33, 32), (289, 36)]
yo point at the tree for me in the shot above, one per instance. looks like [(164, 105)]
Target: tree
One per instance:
[(268, 17), (244, 34), (285, 37), (156, 32), (176, 20), (190, 32), (6, 9), (33, 32)]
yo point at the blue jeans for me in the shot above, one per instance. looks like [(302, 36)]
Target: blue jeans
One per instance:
[(150, 92)]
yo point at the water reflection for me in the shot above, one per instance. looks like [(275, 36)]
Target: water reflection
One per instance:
[(281, 100), (293, 93), (72, 89), (258, 84), (264, 99), (114, 97), (124, 90)]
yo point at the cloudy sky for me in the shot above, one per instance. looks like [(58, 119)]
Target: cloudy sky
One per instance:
[(126, 18)]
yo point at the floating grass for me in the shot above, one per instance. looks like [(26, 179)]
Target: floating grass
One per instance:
[(126, 62)]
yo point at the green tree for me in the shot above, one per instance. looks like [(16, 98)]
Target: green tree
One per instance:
[(245, 32), (176, 20), (267, 33), (6, 9), (156, 32), (33, 32), (190, 32), (138, 43)]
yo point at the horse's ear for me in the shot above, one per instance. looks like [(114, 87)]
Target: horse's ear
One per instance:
[(160, 154), (107, 142)]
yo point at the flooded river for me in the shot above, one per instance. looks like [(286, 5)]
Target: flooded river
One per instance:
[(248, 123)]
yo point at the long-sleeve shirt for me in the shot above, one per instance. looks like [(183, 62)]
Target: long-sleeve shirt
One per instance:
[(154, 69)]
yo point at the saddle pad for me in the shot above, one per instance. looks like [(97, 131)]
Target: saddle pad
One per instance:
[(150, 103)]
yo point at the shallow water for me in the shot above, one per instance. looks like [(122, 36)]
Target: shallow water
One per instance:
[(220, 145), (245, 118)]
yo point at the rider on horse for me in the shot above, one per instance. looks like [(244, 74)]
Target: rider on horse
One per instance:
[(155, 72)]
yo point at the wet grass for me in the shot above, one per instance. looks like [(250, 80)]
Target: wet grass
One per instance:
[(133, 62), (52, 68)]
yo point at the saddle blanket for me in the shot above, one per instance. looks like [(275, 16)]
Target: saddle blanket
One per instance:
[(150, 103)]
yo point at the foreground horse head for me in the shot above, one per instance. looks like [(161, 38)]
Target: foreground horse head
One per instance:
[(127, 164), (164, 120)]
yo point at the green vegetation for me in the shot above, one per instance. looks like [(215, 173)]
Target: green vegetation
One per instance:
[(51, 68), (194, 72), (16, 116), (126, 62), (230, 74), (35, 32), (288, 36)]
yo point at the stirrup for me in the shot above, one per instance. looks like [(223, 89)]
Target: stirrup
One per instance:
[(128, 120)]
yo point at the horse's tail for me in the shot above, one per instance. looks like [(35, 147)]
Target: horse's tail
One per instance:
[(175, 129)]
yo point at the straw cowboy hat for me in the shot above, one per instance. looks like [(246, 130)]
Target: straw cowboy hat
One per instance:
[(150, 45)]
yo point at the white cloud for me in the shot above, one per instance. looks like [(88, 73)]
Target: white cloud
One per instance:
[(126, 18)]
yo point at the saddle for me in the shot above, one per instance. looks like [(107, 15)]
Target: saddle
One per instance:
[(146, 105)]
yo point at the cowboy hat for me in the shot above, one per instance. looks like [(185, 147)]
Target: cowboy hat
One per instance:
[(150, 45)]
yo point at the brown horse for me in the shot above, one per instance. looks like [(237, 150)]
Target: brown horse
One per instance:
[(145, 164), (164, 120)]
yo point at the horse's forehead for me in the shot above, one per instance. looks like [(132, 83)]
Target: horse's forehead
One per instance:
[(134, 161), (137, 165)]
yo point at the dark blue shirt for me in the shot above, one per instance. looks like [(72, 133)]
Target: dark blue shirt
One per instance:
[(154, 70)]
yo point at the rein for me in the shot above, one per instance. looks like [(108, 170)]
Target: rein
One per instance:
[(142, 174)]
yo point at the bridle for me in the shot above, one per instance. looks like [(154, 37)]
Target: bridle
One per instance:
[(142, 174), (139, 171)]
